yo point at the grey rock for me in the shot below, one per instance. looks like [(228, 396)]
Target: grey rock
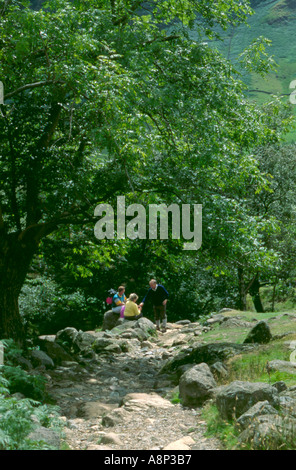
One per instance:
[(260, 334), (49, 437), (100, 344), (288, 405), (54, 350), (270, 432), (260, 408), (236, 398), (280, 386), (282, 366), (40, 358), (219, 370), (208, 353), (110, 320), (66, 337), (196, 385)]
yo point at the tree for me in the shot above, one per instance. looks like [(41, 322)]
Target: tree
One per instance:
[(114, 97)]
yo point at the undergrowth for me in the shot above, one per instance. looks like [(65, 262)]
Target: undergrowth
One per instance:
[(19, 417)]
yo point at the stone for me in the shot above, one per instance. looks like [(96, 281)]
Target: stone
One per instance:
[(260, 334), (136, 401), (100, 344), (219, 370), (281, 366), (235, 399), (110, 320), (280, 386), (117, 416), (40, 358), (288, 405), (181, 444), (66, 337), (270, 432), (208, 353), (49, 437), (54, 350), (196, 385), (260, 408), (94, 409), (111, 438), (146, 325), (83, 341)]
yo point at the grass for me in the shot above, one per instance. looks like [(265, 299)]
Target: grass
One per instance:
[(250, 366), (225, 431)]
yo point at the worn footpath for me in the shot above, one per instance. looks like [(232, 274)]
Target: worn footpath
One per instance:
[(120, 402)]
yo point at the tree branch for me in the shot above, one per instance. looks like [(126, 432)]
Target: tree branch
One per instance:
[(163, 39), (29, 86), (131, 10)]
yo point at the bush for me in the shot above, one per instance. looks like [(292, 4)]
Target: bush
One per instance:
[(20, 417), (46, 308), (16, 379)]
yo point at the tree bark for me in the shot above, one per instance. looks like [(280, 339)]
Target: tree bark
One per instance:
[(242, 304), (15, 257), (255, 293)]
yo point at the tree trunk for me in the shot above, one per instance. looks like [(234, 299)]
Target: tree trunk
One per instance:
[(242, 305), (11, 325), (16, 254), (255, 293)]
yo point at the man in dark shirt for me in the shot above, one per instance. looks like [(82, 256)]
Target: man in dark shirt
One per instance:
[(158, 295)]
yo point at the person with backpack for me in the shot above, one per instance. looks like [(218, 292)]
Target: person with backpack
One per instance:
[(119, 299), (158, 296)]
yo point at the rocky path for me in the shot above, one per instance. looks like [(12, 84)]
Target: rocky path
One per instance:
[(120, 403)]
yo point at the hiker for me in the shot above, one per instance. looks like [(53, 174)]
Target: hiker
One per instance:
[(132, 311), (119, 300), (158, 295)]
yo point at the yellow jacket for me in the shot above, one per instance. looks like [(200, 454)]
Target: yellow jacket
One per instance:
[(131, 309)]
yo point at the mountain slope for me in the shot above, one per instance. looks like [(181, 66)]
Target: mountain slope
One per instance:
[(275, 20)]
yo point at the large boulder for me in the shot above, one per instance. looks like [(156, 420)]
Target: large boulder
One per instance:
[(101, 343), (110, 320), (140, 329), (196, 385), (66, 337), (281, 366), (208, 353), (270, 432), (41, 359), (260, 334), (76, 342), (236, 398), (259, 409), (84, 341), (55, 351), (146, 325)]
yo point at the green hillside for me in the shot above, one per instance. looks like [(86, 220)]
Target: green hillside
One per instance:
[(275, 20)]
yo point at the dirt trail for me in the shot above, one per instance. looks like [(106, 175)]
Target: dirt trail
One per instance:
[(120, 403)]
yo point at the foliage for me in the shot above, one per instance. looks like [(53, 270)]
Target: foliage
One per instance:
[(17, 421), (21, 416), (109, 98), (47, 308), (18, 380)]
